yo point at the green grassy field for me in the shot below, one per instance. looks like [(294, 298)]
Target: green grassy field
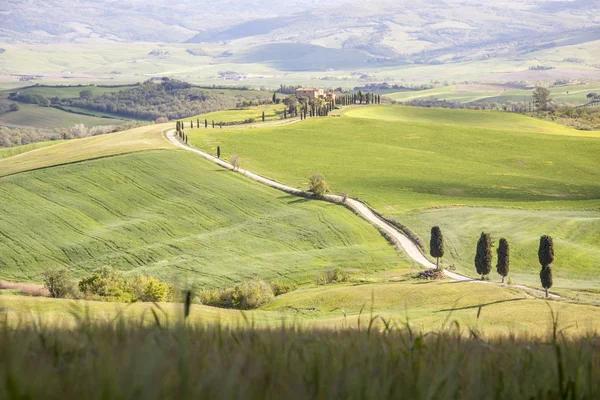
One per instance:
[(403, 161), (67, 92), (272, 112), (425, 306), (139, 139), (568, 94), (13, 151), (119, 357), (173, 215), (34, 116), (495, 120)]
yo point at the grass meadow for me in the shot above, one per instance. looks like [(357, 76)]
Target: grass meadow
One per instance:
[(568, 94), (407, 162), (34, 116), (170, 214), (156, 354), (272, 112)]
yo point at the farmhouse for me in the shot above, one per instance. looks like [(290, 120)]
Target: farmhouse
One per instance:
[(315, 93)]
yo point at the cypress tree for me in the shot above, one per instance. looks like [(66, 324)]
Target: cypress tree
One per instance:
[(546, 257), (436, 245), (503, 265), (483, 257), (198, 123), (213, 124), (218, 151), (191, 124), (284, 114), (263, 116), (206, 123), (546, 278), (274, 97)]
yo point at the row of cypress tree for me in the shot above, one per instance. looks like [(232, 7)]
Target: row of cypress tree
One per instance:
[(358, 98), (483, 256)]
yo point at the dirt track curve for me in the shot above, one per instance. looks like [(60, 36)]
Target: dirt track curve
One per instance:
[(409, 247)]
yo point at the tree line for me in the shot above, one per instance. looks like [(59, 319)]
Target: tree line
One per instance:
[(484, 257), (150, 100)]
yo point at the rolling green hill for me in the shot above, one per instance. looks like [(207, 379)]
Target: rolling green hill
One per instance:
[(568, 94), (170, 214), (404, 161)]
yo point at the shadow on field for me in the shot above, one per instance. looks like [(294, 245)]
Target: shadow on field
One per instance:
[(479, 305)]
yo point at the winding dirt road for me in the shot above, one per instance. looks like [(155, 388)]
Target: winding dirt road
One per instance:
[(409, 247)]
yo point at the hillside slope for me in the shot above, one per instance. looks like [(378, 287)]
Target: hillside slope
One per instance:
[(170, 214)]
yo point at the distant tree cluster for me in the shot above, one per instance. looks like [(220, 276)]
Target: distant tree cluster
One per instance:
[(168, 98), (288, 89)]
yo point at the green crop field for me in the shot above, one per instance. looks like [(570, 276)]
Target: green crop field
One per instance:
[(170, 214), (431, 306), (568, 94), (34, 116), (272, 112), (403, 161), (66, 92), (13, 151)]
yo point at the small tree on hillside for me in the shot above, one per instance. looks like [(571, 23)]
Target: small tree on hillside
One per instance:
[(206, 123), (541, 98), (218, 151), (317, 185), (263, 116), (274, 98), (546, 257), (483, 257), (503, 265), (436, 245), (58, 282)]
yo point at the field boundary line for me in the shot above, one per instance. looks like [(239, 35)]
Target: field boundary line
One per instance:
[(410, 248)]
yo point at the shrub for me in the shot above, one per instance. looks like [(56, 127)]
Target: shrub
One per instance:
[(106, 284), (317, 185), (217, 298), (333, 275), (280, 287), (59, 283), (245, 296), (150, 289), (161, 120), (252, 294)]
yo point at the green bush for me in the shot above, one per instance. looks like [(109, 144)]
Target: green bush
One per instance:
[(245, 296), (317, 185), (108, 284), (59, 283), (252, 294), (332, 276), (280, 287), (149, 289)]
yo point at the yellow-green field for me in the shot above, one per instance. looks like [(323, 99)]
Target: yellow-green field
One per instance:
[(145, 138), (407, 162)]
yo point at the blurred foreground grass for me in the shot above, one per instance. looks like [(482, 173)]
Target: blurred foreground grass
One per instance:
[(156, 358)]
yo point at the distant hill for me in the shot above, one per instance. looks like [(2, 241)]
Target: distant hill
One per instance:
[(309, 35)]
